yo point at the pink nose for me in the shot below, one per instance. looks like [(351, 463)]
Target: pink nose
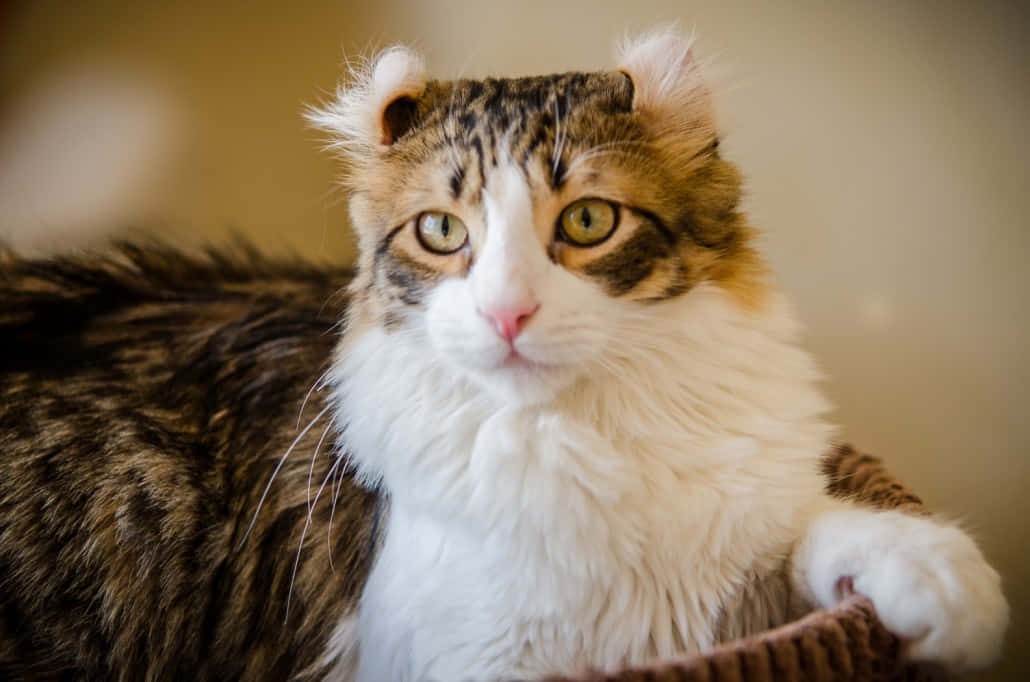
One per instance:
[(510, 321)]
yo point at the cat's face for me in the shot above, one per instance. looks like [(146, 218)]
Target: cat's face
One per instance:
[(532, 229)]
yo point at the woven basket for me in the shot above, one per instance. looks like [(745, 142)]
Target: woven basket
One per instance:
[(843, 644)]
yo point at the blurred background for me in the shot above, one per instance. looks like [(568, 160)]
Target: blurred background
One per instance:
[(885, 146)]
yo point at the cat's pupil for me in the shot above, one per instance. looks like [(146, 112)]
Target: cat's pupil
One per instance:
[(584, 217), (445, 228)]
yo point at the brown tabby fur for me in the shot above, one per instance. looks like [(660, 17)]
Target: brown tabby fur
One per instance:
[(145, 400)]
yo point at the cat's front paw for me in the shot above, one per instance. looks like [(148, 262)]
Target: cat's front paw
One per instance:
[(929, 582)]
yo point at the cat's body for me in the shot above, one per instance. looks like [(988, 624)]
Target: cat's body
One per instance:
[(565, 368), (145, 400)]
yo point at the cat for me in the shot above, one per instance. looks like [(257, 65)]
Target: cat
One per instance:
[(567, 423), (599, 434)]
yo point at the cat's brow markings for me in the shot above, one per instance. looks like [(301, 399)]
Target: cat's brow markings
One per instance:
[(581, 127), (457, 178)]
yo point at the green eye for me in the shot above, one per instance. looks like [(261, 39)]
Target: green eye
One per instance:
[(588, 221), (441, 232)]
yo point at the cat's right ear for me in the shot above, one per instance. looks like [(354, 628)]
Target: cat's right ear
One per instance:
[(668, 89), (376, 106)]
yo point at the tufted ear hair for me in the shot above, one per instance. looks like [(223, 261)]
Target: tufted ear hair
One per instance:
[(376, 106), (667, 85)]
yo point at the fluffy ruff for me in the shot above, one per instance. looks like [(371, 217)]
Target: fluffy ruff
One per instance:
[(641, 513)]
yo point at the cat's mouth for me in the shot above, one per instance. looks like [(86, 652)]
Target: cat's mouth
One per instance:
[(516, 360), (520, 378), (521, 361)]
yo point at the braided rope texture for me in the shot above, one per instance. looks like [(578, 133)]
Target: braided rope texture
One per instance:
[(844, 644)]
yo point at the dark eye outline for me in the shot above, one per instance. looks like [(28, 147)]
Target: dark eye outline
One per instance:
[(430, 249), (564, 237)]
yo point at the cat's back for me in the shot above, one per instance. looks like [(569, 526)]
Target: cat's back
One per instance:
[(146, 398)]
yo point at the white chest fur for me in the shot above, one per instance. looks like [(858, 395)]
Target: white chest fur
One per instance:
[(609, 526)]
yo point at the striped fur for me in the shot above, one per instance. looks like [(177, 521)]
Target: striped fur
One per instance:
[(146, 398)]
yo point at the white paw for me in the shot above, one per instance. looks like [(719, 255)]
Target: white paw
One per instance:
[(929, 582)]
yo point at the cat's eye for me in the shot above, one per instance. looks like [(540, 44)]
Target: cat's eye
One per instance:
[(441, 232), (588, 221)]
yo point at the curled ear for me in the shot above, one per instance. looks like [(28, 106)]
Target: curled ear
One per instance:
[(667, 85), (376, 106)]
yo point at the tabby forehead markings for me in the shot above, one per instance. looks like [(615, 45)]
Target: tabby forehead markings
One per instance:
[(548, 128), (513, 118)]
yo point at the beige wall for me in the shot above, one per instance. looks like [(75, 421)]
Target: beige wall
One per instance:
[(885, 145)]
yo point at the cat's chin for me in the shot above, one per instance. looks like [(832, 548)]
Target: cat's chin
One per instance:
[(521, 381)]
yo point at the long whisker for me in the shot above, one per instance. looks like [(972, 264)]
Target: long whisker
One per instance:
[(282, 460), (317, 385), (314, 456), (451, 135), (559, 137), (601, 150), (613, 143), (303, 534), (337, 487)]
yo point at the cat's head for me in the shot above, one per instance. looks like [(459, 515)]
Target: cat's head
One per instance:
[(531, 229)]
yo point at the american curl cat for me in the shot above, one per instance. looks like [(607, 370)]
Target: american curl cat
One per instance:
[(567, 423)]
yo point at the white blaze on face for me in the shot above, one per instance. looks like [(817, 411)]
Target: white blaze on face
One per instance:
[(511, 263), (512, 273)]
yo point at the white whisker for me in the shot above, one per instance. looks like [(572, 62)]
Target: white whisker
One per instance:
[(559, 137), (317, 385), (337, 487), (282, 460), (451, 134), (601, 150), (303, 534), (311, 469)]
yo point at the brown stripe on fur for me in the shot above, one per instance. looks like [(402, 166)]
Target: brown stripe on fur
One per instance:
[(402, 278), (146, 398), (405, 271), (635, 260)]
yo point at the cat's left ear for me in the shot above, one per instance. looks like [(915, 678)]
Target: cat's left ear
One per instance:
[(668, 89), (376, 107)]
